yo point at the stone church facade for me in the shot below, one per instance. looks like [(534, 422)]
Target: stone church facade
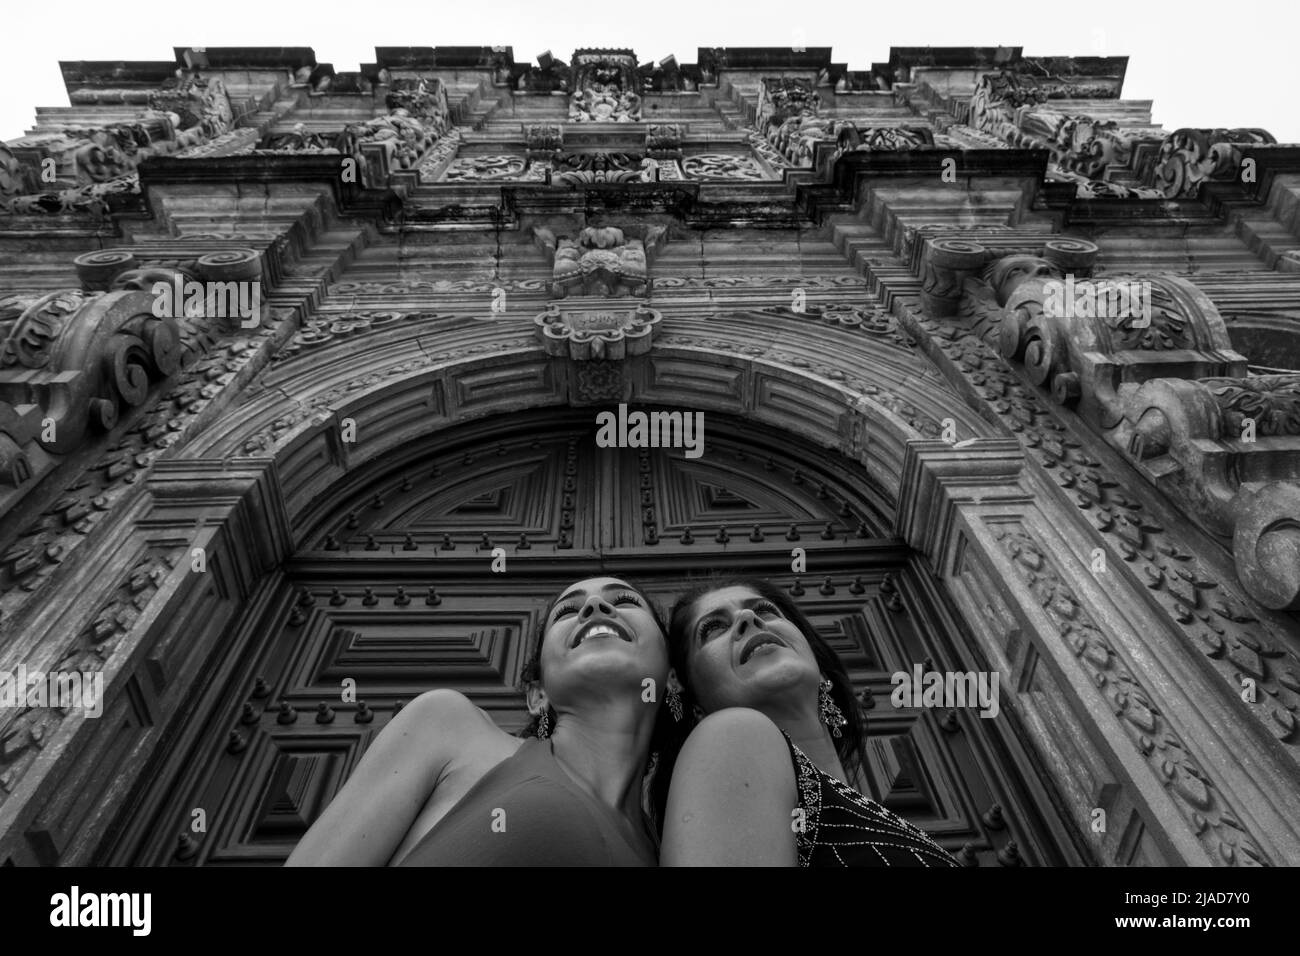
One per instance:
[(396, 300)]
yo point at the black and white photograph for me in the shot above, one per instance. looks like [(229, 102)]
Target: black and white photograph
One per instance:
[(660, 436)]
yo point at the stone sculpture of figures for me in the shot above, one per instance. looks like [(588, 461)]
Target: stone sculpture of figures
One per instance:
[(403, 137)]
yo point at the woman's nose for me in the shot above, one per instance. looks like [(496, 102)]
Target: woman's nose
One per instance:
[(595, 603), (744, 621)]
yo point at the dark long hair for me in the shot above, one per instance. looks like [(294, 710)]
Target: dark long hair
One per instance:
[(851, 746)]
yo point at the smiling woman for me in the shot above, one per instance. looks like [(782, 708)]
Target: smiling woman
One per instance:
[(443, 785), (770, 775)]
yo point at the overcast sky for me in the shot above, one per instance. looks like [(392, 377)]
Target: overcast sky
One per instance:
[(1203, 65)]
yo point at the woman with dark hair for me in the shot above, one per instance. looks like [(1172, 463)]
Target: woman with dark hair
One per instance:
[(443, 785), (771, 774)]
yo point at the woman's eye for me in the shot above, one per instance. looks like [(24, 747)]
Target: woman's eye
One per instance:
[(708, 627), (564, 610), (627, 597), (767, 608)]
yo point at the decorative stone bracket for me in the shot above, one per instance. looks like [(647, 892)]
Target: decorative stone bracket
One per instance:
[(972, 276), (597, 343), (1162, 385), (72, 360)]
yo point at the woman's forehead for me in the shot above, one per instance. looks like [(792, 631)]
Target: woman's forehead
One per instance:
[(731, 596), (588, 585)]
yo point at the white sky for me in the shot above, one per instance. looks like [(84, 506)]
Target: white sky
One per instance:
[(1203, 64)]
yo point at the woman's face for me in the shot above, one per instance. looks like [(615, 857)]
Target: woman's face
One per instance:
[(742, 652), (600, 633)]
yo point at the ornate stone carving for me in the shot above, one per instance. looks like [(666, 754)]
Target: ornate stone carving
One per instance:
[(605, 87), (544, 140), (602, 168), (424, 99), (95, 167), (81, 356), (787, 118), (300, 140), (316, 333), (1209, 617), (664, 140), (600, 260), (600, 335), (852, 139), (417, 118), (1098, 188), (1166, 388), (1193, 792), (727, 166), (1189, 157), (485, 168), (22, 738), (19, 427), (1010, 106)]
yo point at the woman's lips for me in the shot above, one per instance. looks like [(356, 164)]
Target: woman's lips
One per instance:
[(757, 641), (598, 629)]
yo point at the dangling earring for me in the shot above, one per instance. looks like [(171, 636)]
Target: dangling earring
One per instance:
[(544, 725), (831, 715), (675, 703)]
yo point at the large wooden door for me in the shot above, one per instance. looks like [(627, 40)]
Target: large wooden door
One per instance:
[(394, 589)]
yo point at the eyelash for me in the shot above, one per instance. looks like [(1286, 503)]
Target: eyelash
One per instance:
[(619, 598)]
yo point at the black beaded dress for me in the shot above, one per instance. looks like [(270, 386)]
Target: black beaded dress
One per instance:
[(841, 827)]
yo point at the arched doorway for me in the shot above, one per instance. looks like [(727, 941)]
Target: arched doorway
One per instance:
[(393, 587)]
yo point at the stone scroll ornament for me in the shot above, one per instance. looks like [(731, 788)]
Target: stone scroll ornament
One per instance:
[(1158, 380), (1190, 157), (600, 260), (82, 356)]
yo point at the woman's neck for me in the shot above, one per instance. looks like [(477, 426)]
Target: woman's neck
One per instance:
[(605, 753), (805, 727)]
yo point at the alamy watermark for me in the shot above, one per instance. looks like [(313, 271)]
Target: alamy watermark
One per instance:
[(1069, 298), (651, 430), (63, 690), (240, 299), (951, 689)]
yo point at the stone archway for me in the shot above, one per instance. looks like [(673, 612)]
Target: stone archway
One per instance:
[(243, 490), (354, 600)]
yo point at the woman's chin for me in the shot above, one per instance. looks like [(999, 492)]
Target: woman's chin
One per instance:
[(761, 686)]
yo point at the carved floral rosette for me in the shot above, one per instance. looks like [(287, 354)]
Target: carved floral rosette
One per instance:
[(602, 335)]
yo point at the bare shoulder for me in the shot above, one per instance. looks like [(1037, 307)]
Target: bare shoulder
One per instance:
[(731, 795), (738, 735), (451, 717)]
